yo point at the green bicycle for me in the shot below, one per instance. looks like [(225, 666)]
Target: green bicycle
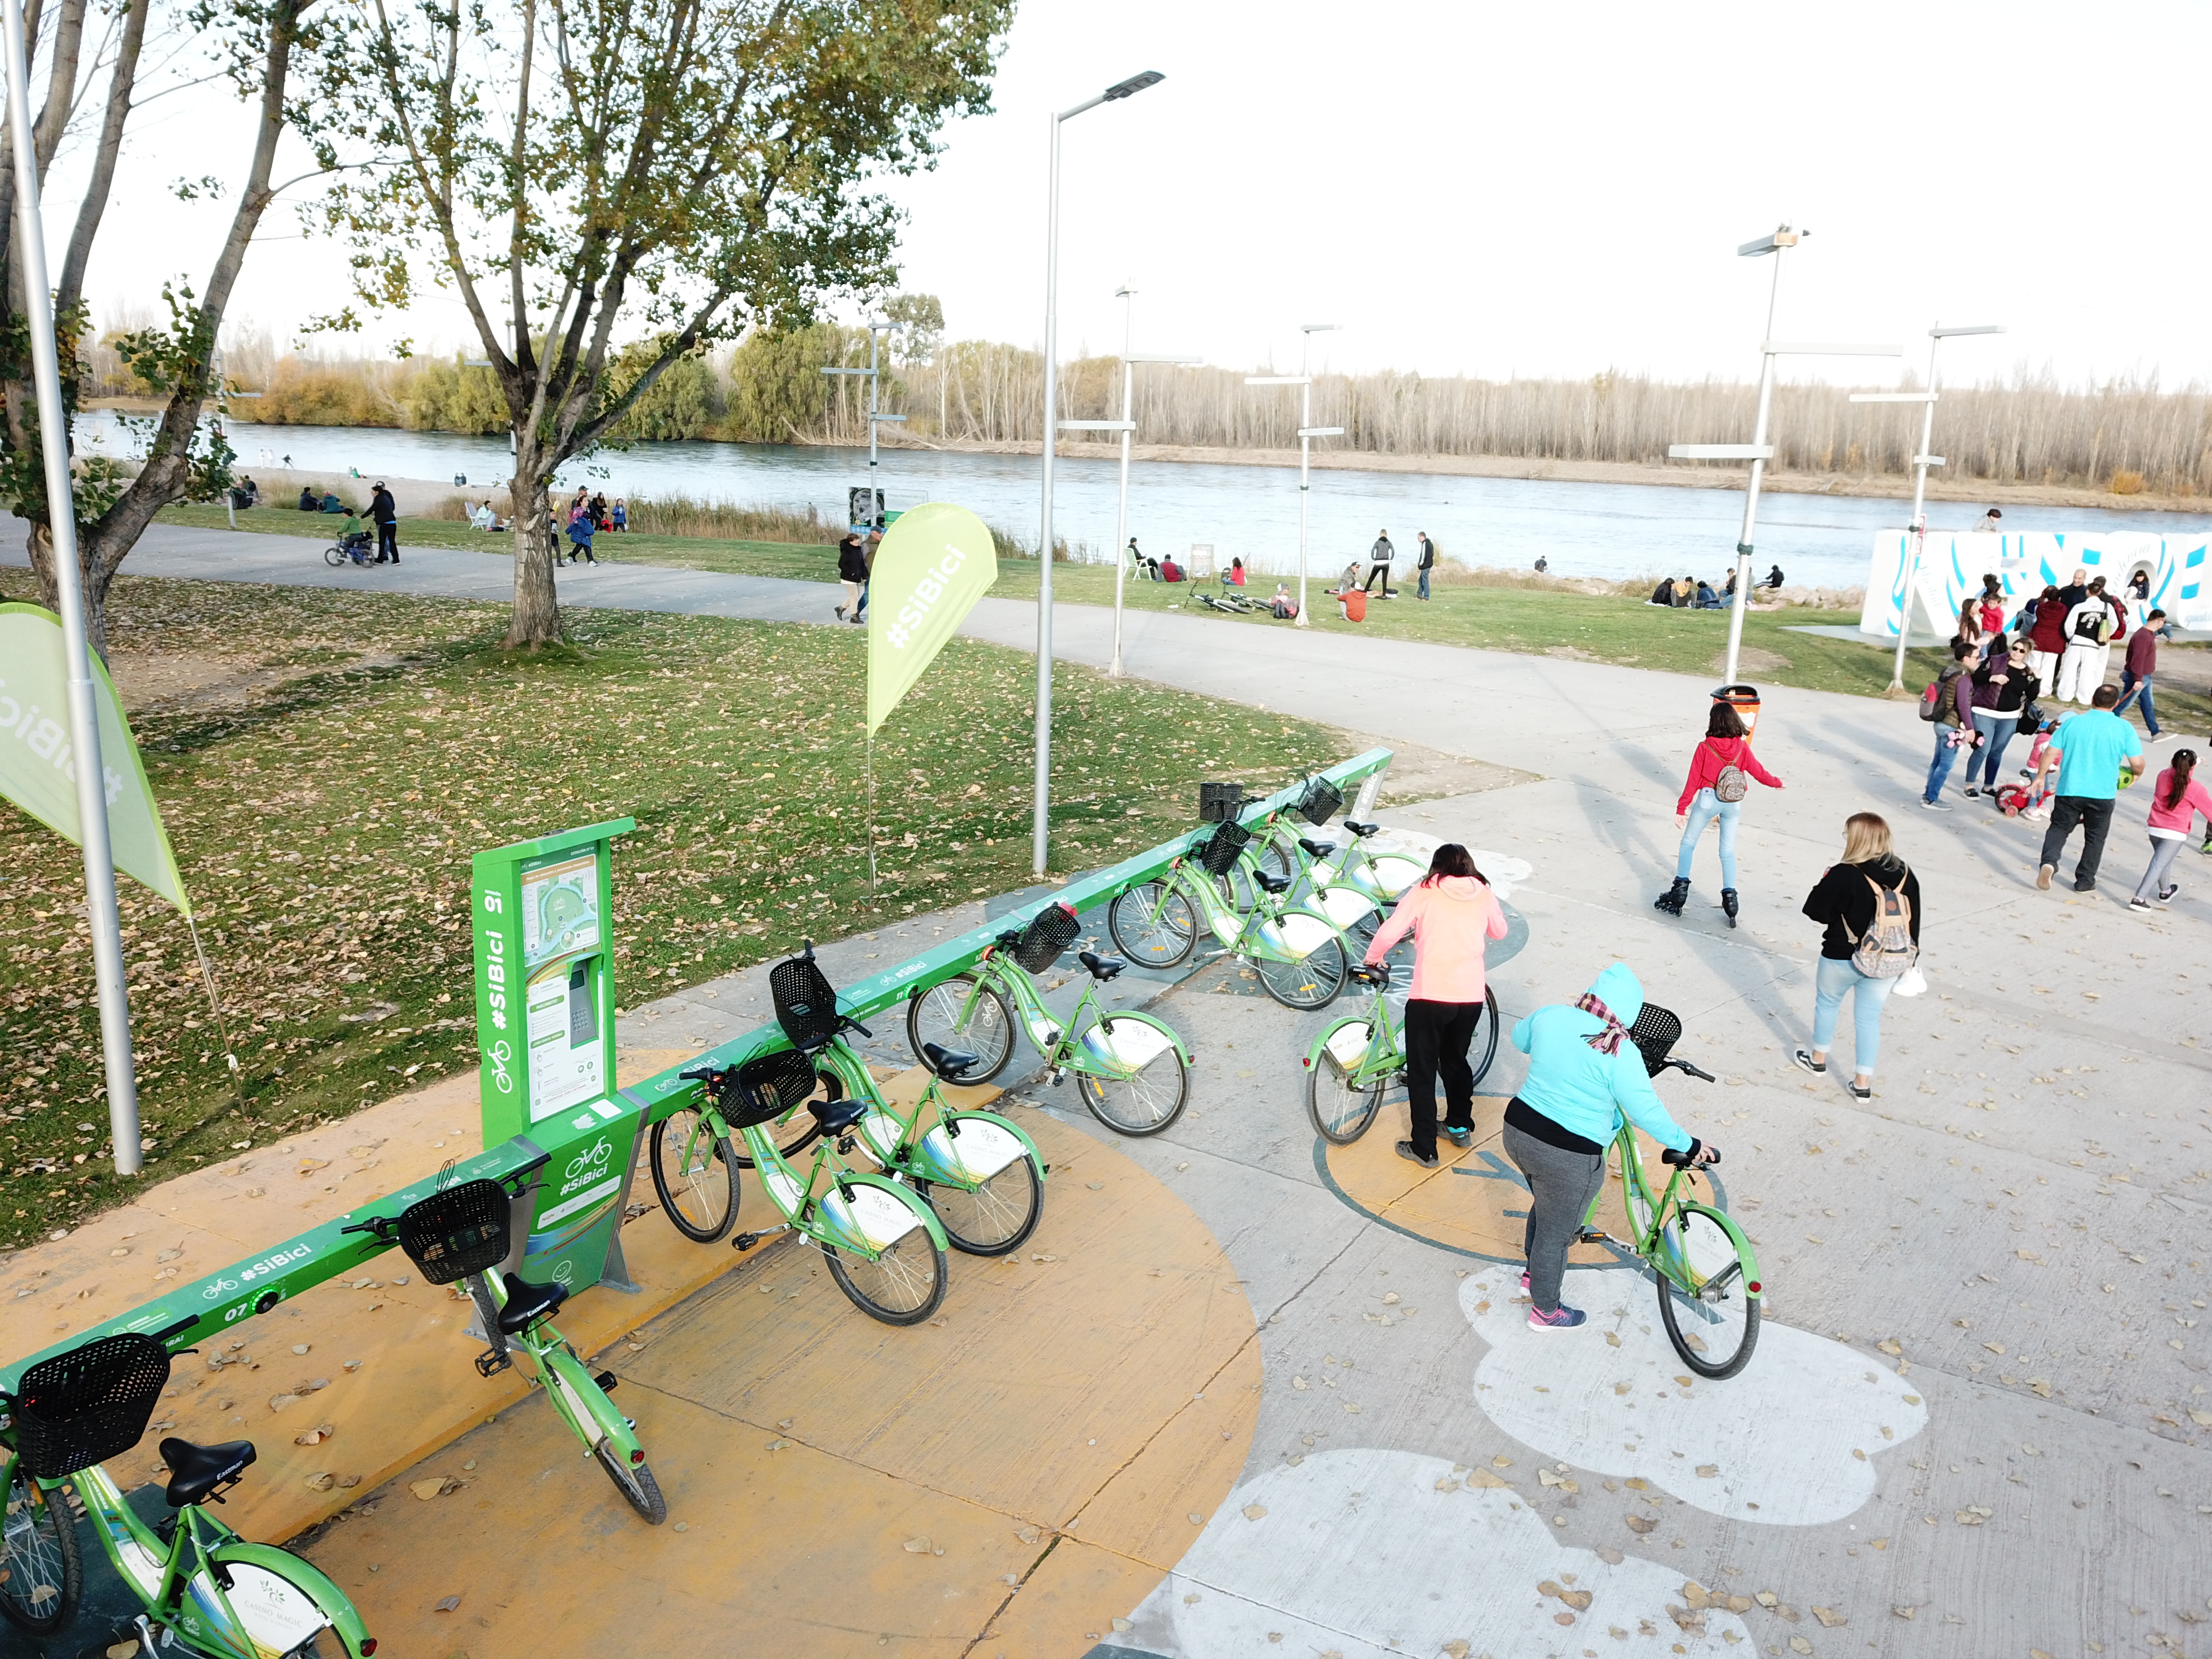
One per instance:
[(1709, 1289), (1297, 953), (1133, 1073), (204, 1588), (1276, 851), (1354, 1061), (461, 1233)]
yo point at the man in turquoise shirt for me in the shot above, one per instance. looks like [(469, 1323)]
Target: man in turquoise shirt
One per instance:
[(2090, 751)]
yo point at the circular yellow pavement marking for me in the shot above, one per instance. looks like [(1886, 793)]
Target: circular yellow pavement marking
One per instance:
[(1025, 1471)]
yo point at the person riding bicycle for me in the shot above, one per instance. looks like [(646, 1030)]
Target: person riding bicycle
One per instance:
[(1450, 912), (1584, 1075)]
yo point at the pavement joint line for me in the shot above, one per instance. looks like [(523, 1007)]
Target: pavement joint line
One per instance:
[(1007, 1600)]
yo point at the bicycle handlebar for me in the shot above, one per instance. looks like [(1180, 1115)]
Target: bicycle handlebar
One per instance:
[(1681, 1160), (1680, 1065)]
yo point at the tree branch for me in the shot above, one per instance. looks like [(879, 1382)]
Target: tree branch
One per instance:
[(119, 91)]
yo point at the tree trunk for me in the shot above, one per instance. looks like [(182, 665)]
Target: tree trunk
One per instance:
[(537, 619)]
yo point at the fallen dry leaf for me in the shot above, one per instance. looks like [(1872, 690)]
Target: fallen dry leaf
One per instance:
[(321, 1482), (447, 1604), (1254, 1512), (921, 1545), (1640, 1524), (1028, 1535), (1799, 1644), (1829, 1616)]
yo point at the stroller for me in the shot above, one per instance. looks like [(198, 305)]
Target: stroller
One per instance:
[(2018, 799)]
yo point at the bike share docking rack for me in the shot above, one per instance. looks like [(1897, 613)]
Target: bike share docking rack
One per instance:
[(192, 1313)]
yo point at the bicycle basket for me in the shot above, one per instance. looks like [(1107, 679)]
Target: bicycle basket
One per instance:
[(1217, 801), (1321, 802), (461, 1230), (1049, 932), (767, 1086), (1217, 857), (1656, 1029), (88, 1405), (805, 1004)]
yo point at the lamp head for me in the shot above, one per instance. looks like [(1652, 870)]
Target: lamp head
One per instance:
[(1319, 328), (1783, 237), (1941, 333), (1134, 85)]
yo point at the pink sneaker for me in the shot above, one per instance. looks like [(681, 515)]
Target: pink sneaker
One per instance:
[(1564, 1319), (1524, 1281)]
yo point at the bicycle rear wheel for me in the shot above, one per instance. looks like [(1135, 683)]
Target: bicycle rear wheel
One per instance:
[(995, 1218), (902, 1287), (1142, 1104), (41, 1576), (1715, 1330), (1309, 983), (1489, 1038), (1341, 1109), (635, 1481), (696, 1174), (1152, 925), (934, 1016)]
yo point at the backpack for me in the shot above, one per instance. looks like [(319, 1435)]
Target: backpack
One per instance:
[(1731, 785), (1936, 699), (1885, 950)]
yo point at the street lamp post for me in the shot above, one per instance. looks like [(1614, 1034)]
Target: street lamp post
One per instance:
[(1918, 523), (1127, 426), (1759, 451), (877, 329), (1041, 811), (1307, 432)]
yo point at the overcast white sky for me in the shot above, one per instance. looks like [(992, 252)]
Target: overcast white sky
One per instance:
[(1495, 189)]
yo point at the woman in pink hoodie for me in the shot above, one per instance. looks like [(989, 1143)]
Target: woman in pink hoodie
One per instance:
[(1714, 789), (1452, 914)]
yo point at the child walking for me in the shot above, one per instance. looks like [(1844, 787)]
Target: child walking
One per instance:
[(1715, 789), (2174, 804)]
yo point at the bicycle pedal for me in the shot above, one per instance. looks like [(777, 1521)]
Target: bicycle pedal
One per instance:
[(1593, 1235), (492, 1361), (607, 1381), (1059, 1077), (744, 1241)]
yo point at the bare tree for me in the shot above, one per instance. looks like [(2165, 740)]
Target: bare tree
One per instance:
[(577, 171)]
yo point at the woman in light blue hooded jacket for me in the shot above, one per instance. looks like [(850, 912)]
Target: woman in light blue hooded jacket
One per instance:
[(1584, 1075)]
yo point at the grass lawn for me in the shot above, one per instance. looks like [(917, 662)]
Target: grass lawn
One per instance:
[(323, 806)]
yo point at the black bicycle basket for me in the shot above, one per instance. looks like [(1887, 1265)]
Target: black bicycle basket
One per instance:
[(767, 1086), (1656, 1029), (461, 1230), (1050, 932), (88, 1405), (806, 1002), (1217, 857), (1321, 802)]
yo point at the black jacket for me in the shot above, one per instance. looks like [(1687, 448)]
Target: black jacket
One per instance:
[(383, 508), (852, 561), (1843, 901)]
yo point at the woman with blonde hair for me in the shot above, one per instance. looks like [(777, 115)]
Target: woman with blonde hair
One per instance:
[(1849, 899)]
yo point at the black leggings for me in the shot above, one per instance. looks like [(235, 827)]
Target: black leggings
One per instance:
[(1438, 1037)]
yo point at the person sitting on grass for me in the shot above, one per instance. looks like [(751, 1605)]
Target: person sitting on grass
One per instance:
[(1663, 594), (1236, 573), (1170, 570), (309, 501), (1707, 600), (1283, 607), (1774, 577)]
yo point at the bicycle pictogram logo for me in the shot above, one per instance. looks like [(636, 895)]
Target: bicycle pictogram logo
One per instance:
[(218, 1287), (499, 1054)]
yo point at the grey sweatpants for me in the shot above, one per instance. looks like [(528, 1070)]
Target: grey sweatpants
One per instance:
[(1561, 1185), (2161, 874)]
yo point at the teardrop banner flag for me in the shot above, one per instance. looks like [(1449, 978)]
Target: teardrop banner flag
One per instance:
[(932, 565), (38, 773)]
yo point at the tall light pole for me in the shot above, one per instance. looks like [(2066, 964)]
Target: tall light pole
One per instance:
[(1921, 462), (109, 986), (1307, 432), (1759, 451), (878, 328), (1040, 813)]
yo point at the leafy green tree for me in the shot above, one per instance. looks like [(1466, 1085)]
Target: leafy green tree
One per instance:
[(682, 402), (919, 326), (574, 171)]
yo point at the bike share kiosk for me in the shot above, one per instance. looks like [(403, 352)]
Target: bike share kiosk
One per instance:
[(543, 914)]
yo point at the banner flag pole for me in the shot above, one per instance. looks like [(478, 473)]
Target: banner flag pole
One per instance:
[(872, 811), (215, 1007)]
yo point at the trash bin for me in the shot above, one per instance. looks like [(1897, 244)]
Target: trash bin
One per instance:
[(1744, 699)]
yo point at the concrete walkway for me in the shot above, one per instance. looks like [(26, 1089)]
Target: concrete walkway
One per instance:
[(1977, 1424)]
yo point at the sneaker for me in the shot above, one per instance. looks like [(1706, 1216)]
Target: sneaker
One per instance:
[(1564, 1319), (841, 612), (1524, 1281), (1937, 805), (1973, 791), (1405, 1151), (2037, 815), (1459, 1138), (2043, 875), (2166, 894), (1806, 1063), (1862, 1090), (2138, 904)]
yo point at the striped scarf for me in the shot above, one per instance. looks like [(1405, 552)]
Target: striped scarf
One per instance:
[(1606, 1042)]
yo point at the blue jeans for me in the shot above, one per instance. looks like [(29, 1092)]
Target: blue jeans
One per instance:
[(1939, 769), (1832, 980), (1996, 729), (1704, 807), (2137, 687), (1424, 581)]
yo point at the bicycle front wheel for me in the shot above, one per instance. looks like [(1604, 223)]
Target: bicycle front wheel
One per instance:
[(1342, 1108), (696, 1173), (1309, 983), (1141, 1104), (634, 1481), (902, 1287), (1152, 925), (41, 1576), (995, 1219), (334, 556), (1489, 1039), (988, 1034), (1715, 1330)]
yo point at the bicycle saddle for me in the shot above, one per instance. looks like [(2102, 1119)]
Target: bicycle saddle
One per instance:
[(1361, 830), (1269, 882), (527, 1303), (1316, 849), (835, 1116), (196, 1471), (950, 1064), (1101, 968), (1367, 975)]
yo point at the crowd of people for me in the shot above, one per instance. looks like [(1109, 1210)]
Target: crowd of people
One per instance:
[(1695, 593)]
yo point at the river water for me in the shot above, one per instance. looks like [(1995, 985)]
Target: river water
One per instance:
[(1249, 512)]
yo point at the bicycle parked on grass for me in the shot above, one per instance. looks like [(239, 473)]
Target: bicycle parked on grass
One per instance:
[(1298, 954), (1133, 1073), (204, 1588), (1708, 1281), (460, 1233), (1357, 1059)]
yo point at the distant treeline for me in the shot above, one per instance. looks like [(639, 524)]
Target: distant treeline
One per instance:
[(2125, 436)]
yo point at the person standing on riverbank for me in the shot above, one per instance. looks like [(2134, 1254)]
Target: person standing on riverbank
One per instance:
[(385, 511), (2142, 664), (1378, 564), (1427, 562), (2092, 751), (2175, 802), (1720, 768), (1863, 893)]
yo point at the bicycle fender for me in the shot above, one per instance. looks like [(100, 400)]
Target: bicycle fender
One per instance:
[(904, 1195), (1343, 905), (1099, 1044), (1322, 1044), (941, 1150), (1727, 1224), (581, 1394), (304, 1577)]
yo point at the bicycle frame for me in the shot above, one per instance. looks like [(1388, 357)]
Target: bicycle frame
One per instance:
[(962, 1150), (1071, 1046), (864, 1214), (1274, 932), (1654, 1246), (1351, 872), (1382, 1059), (578, 1398)]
